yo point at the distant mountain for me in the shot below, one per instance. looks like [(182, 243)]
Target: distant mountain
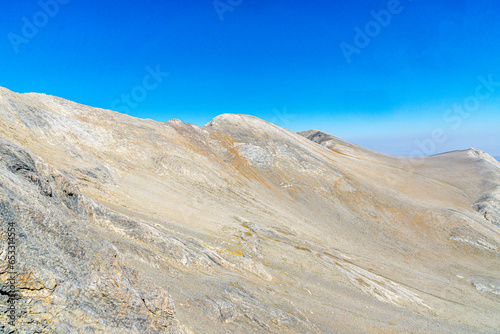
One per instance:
[(126, 225)]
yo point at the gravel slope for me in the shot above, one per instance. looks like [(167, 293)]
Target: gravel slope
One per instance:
[(135, 226)]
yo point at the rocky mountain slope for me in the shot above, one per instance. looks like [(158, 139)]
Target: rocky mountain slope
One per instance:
[(135, 226)]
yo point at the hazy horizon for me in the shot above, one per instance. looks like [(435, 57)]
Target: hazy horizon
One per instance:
[(399, 77)]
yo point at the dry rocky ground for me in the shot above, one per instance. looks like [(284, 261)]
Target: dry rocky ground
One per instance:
[(135, 226)]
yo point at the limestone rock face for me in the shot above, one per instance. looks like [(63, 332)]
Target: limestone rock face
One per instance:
[(126, 225)]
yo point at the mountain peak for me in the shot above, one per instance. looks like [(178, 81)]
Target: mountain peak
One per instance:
[(240, 226)]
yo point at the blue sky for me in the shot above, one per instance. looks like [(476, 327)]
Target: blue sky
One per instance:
[(401, 77)]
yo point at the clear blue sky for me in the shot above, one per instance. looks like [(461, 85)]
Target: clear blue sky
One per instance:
[(297, 64)]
